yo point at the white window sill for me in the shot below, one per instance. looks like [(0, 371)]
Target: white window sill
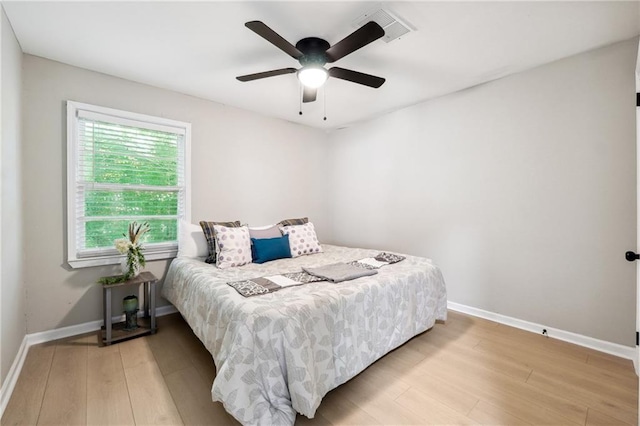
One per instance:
[(118, 259)]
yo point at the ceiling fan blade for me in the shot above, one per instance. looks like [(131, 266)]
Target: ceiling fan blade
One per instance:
[(356, 77), (274, 38), (366, 34), (273, 73), (309, 94)]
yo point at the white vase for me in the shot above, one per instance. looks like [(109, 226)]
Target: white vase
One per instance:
[(126, 269)]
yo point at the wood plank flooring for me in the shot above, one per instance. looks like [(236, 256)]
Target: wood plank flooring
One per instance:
[(465, 371)]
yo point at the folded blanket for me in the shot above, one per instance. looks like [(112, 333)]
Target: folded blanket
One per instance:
[(388, 258), (337, 272), (377, 262), (262, 285)]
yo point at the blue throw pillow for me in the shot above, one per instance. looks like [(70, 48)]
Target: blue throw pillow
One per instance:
[(266, 249)]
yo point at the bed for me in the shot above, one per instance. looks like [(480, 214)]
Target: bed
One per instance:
[(279, 353)]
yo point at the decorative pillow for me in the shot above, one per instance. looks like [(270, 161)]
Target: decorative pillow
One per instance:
[(266, 249), (292, 222), (210, 235), (191, 240), (234, 244), (302, 239), (269, 231)]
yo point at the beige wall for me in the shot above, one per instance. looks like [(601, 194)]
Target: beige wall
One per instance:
[(12, 300), (244, 166), (523, 190)]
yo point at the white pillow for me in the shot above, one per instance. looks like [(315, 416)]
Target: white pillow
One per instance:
[(302, 239), (191, 240), (234, 245), (267, 231)]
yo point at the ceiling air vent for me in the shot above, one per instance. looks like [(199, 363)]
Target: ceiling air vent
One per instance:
[(394, 28)]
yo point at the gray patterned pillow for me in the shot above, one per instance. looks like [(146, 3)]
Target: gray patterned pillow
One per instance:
[(292, 222), (210, 235)]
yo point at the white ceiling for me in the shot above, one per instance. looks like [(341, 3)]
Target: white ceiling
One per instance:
[(198, 48)]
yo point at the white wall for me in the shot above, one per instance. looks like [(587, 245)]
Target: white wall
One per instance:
[(12, 300), (244, 166), (523, 190)]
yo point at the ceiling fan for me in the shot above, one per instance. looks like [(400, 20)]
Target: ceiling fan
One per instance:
[(313, 53)]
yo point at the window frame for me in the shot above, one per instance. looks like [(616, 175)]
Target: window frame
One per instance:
[(111, 256)]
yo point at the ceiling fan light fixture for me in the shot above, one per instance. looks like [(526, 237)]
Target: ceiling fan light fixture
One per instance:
[(312, 76)]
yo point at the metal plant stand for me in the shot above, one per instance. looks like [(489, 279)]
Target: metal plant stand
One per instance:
[(112, 333)]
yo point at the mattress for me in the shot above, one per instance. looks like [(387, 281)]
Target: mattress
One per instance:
[(279, 353)]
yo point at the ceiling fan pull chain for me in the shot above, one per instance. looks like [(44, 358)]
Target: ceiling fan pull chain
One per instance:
[(301, 94), (324, 98)]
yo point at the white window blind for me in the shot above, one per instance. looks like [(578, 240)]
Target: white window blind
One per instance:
[(124, 167)]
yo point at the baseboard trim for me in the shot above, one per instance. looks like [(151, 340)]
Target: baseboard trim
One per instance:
[(29, 340), (87, 327), (12, 376), (616, 349)]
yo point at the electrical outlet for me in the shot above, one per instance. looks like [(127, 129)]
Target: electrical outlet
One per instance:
[(544, 332)]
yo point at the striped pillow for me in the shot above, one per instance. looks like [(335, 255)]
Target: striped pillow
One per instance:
[(210, 235), (293, 222)]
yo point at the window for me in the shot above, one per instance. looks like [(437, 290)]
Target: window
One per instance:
[(123, 167)]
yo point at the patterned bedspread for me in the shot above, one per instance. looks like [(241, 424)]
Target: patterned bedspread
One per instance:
[(281, 352)]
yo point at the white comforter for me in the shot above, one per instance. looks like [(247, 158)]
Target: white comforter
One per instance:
[(281, 352)]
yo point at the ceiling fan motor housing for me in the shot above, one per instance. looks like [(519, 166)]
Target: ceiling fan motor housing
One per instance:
[(314, 51)]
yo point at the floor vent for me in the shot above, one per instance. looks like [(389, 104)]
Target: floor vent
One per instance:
[(394, 28)]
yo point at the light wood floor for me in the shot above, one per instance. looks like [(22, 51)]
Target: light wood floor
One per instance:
[(466, 371)]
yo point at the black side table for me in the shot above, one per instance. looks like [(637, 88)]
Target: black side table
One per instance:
[(112, 333)]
